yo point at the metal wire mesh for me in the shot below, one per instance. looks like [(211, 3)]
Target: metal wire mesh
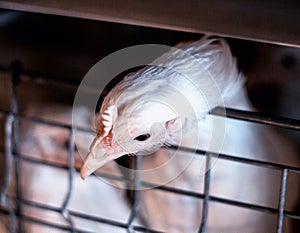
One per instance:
[(12, 206)]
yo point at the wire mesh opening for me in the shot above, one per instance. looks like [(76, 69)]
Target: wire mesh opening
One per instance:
[(15, 208)]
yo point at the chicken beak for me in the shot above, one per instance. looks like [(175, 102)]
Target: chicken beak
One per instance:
[(92, 163), (98, 156)]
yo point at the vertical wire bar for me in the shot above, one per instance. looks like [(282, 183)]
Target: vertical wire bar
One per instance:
[(16, 71), (8, 171), (206, 194), (64, 210), (136, 187), (282, 200)]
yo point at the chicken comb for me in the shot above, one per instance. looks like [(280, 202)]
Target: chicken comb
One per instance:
[(104, 121)]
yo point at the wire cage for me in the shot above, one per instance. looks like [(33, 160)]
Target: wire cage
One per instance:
[(12, 206), (15, 208)]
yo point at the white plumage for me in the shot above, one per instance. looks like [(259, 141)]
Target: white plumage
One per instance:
[(182, 84), (168, 102)]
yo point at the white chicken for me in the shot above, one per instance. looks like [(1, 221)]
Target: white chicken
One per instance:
[(171, 95), (168, 103)]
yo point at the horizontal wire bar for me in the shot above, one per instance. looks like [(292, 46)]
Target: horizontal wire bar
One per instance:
[(244, 205), (110, 222), (36, 204), (173, 190), (228, 157), (47, 122), (257, 117), (291, 215), (255, 207), (98, 219), (213, 198), (37, 161), (53, 225), (259, 163), (58, 226), (74, 214), (45, 223), (62, 166), (271, 165), (221, 200), (143, 229), (58, 210)]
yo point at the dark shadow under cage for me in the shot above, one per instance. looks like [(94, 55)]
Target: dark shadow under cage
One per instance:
[(12, 206)]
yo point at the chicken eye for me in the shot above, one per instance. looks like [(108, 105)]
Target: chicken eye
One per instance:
[(142, 137)]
